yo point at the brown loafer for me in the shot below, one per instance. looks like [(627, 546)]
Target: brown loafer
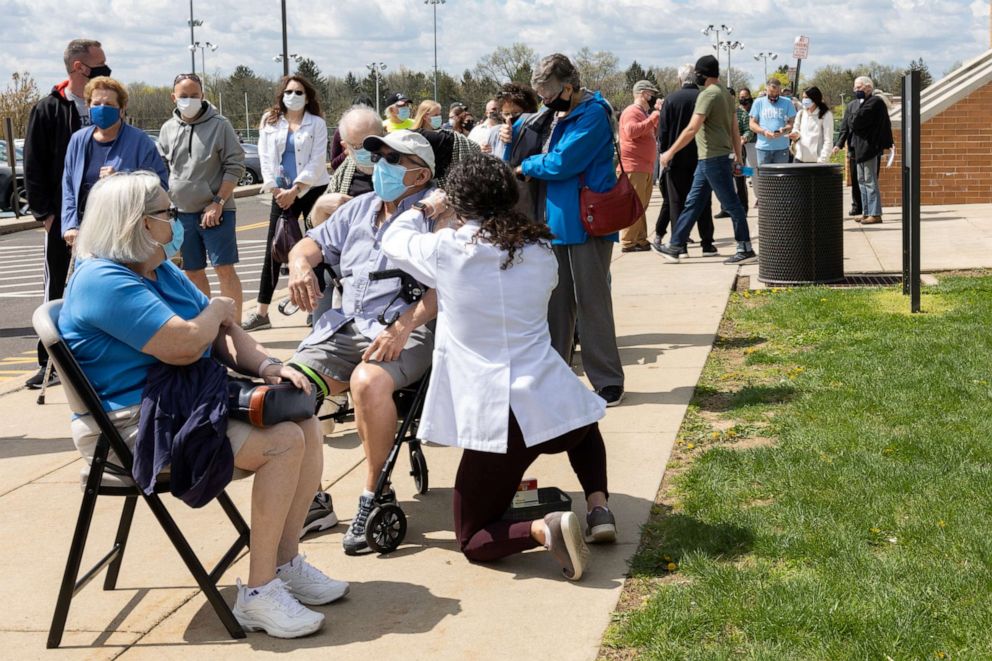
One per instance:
[(871, 220)]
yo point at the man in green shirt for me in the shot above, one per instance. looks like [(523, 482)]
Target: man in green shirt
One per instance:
[(714, 128), (747, 137)]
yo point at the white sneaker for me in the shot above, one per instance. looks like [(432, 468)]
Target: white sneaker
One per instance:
[(310, 585), (272, 609)]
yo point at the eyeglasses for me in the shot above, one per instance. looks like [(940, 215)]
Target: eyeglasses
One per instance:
[(172, 213), (187, 76), (296, 92)]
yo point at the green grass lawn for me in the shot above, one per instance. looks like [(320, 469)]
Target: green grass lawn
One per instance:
[(830, 492)]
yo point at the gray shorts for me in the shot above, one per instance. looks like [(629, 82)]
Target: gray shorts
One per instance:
[(339, 355)]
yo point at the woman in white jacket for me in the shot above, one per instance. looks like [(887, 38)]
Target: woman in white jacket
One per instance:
[(498, 389), (813, 131), (292, 153)]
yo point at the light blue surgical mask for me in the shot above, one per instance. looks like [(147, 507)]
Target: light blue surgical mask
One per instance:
[(363, 157), (178, 232), (403, 113), (807, 103), (436, 122), (387, 180)]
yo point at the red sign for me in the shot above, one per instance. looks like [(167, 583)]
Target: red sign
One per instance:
[(800, 48)]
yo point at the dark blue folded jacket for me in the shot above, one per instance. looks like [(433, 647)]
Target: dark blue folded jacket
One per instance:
[(183, 423)]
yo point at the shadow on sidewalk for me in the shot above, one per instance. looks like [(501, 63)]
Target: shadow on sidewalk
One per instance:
[(27, 446)]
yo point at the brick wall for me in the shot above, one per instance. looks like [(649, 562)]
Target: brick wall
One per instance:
[(955, 155)]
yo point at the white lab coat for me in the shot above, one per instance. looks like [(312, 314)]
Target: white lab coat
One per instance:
[(310, 142), (492, 348)]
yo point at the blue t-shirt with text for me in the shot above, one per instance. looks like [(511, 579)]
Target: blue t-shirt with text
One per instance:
[(110, 313), (771, 117)]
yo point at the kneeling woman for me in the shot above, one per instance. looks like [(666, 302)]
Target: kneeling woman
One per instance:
[(498, 389), (127, 309)]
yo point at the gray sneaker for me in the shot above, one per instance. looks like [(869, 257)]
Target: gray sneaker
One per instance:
[(321, 515), (256, 321), (354, 540), (565, 543), (601, 527)]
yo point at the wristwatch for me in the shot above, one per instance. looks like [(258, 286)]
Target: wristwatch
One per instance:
[(420, 206), (219, 200), (269, 360)]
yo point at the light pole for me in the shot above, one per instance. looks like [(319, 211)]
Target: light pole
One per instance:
[(716, 30), (203, 46), (285, 60), (193, 23), (376, 68), (765, 56), (434, 4), (285, 42), (730, 46)]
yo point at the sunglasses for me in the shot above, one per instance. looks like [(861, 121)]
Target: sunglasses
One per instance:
[(187, 76), (296, 92), (172, 213)]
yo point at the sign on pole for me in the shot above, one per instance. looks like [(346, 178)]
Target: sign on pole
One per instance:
[(800, 47)]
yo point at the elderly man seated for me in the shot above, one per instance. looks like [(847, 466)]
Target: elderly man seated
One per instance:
[(354, 176), (348, 348)]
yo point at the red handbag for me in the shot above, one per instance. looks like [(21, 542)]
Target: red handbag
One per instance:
[(616, 209)]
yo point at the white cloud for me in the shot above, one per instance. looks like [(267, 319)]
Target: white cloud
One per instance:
[(148, 39)]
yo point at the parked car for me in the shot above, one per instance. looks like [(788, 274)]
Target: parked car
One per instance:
[(253, 167), (8, 200)]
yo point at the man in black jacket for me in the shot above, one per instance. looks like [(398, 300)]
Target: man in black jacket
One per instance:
[(675, 116), (844, 140), (871, 134), (53, 121)]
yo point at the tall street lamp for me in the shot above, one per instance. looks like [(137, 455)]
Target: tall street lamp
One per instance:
[(730, 46), (434, 4), (763, 55), (285, 43), (193, 24), (285, 61), (716, 30), (376, 69), (203, 46)]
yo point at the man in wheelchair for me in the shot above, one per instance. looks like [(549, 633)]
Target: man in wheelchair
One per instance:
[(355, 347)]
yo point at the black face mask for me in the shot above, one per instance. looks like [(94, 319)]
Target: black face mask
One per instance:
[(746, 103), (468, 125), (651, 101), (559, 104), (701, 79), (102, 70)]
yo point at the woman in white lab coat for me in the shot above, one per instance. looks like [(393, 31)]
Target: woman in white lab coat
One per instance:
[(498, 389)]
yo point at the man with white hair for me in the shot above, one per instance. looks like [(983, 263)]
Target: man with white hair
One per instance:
[(871, 134)]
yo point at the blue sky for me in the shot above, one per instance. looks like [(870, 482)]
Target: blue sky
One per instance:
[(148, 39)]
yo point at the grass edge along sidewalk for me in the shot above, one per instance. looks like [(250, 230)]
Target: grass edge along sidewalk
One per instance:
[(828, 496)]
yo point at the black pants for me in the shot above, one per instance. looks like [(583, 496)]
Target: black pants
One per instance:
[(487, 481), (852, 167), (270, 269), (665, 215), (679, 185), (57, 257)]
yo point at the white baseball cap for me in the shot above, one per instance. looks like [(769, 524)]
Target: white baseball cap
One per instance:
[(404, 142)]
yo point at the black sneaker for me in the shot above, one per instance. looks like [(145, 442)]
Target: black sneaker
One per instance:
[(601, 527), (855, 212), (34, 383), (669, 253), (321, 515), (354, 540), (256, 322), (722, 214), (746, 257), (612, 394), (710, 249)]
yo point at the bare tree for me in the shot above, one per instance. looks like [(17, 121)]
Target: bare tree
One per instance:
[(505, 64), (16, 102)]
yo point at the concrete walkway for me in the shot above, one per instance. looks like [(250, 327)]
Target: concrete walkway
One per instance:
[(425, 600)]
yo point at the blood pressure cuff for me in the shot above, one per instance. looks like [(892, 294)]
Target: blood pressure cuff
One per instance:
[(263, 405)]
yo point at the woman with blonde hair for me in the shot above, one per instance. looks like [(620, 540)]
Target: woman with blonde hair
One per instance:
[(428, 116)]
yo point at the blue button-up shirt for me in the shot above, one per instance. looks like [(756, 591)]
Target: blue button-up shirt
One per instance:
[(352, 246)]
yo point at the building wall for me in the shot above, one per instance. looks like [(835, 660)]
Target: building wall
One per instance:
[(955, 155)]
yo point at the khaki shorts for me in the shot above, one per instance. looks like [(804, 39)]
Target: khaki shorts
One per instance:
[(339, 355), (85, 433)]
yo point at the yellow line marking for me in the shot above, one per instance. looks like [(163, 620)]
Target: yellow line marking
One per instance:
[(17, 361), (254, 226), (15, 372)]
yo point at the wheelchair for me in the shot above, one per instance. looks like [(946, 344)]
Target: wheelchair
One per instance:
[(386, 525)]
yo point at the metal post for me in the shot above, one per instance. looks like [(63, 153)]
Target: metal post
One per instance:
[(8, 128), (192, 38), (434, 4), (795, 85), (285, 42), (247, 123), (377, 92), (220, 102), (203, 61), (911, 84)]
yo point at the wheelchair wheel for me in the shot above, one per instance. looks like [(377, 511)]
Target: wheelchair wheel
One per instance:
[(418, 469), (386, 528)]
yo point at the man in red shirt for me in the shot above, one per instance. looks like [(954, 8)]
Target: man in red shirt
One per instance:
[(638, 149)]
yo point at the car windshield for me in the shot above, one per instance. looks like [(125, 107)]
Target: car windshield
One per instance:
[(18, 151)]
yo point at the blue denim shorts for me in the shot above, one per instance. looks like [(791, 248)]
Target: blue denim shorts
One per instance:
[(220, 242)]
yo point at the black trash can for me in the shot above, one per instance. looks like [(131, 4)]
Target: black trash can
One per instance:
[(800, 223)]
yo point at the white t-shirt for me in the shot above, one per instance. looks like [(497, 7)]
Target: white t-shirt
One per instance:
[(480, 134)]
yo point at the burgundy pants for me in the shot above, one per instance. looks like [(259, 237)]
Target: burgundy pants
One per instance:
[(487, 481)]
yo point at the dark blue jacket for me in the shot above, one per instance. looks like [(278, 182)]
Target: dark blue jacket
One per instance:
[(581, 144), (184, 423)]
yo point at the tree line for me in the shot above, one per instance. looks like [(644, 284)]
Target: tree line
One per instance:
[(244, 95)]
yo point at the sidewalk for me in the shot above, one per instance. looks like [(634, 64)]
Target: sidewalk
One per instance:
[(425, 600)]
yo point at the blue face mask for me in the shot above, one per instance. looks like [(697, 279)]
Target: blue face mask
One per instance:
[(436, 122), (387, 180), (403, 113), (172, 247), (363, 157), (807, 103), (105, 116)]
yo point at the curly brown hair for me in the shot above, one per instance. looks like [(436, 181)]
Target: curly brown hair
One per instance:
[(521, 95), (483, 187)]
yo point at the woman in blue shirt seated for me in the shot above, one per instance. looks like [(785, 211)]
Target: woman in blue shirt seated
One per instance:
[(127, 308)]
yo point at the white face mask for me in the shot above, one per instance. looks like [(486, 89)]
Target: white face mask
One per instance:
[(294, 101), (189, 108)]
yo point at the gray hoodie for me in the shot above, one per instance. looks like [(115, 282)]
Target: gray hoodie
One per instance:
[(202, 153)]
